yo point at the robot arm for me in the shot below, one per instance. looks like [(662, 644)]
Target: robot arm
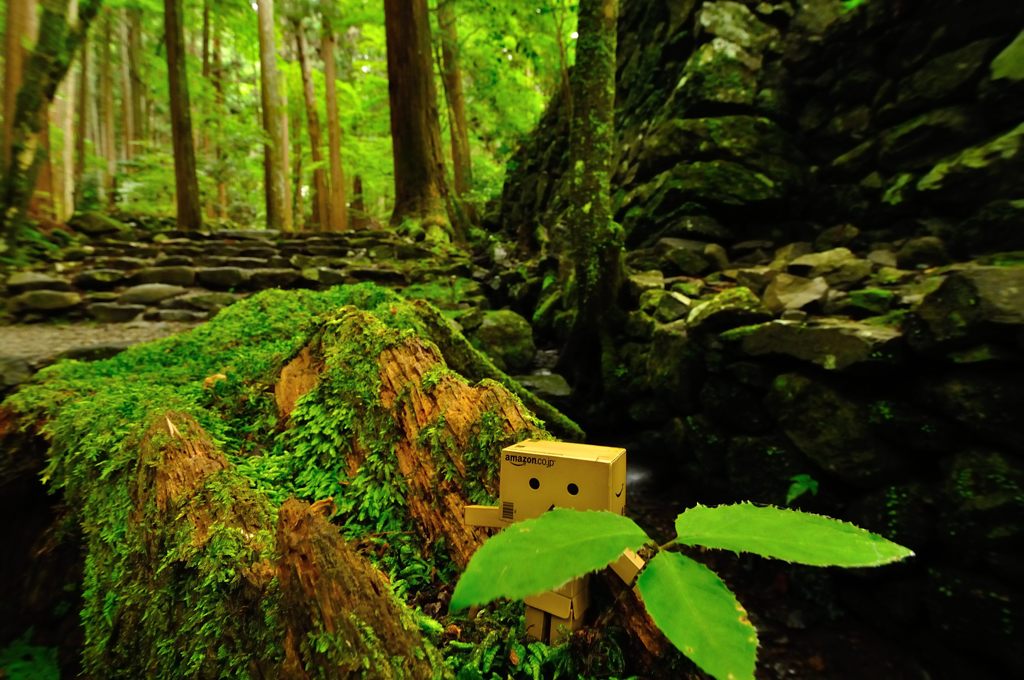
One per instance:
[(628, 566), (484, 516)]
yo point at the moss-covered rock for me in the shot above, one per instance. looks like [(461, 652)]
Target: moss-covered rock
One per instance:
[(732, 307), (507, 338)]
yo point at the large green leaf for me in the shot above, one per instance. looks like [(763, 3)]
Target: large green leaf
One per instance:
[(541, 554), (699, 615), (786, 535)]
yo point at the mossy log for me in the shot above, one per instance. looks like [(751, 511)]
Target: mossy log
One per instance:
[(266, 495)]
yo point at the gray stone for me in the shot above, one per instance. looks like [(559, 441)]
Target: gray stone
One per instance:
[(732, 21), (44, 301), (176, 276), (719, 72), (755, 278), (718, 255), (925, 251), (788, 292), (831, 429), (95, 224), (789, 252), (682, 256), (99, 279), (19, 282), (921, 141), (548, 386), (150, 293), (207, 302), (991, 169), (833, 344), (123, 263), (14, 371), (272, 278), (883, 258), (672, 306), (965, 301), (222, 278), (111, 312), (638, 282), (733, 307), (323, 276), (178, 315), (838, 266), (507, 338), (834, 237), (941, 79)]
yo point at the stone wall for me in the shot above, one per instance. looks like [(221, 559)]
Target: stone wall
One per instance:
[(781, 119), (819, 206)]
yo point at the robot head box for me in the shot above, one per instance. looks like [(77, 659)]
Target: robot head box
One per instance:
[(539, 475)]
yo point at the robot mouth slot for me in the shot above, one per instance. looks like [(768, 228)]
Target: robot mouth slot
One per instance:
[(552, 507), (618, 494)]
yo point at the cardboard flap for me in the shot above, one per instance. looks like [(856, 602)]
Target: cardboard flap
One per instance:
[(483, 516), (628, 566)]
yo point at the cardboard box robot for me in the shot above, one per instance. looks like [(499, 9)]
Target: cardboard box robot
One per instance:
[(536, 476)]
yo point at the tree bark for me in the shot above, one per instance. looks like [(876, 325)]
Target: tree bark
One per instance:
[(451, 73), (44, 70), (218, 88), (138, 86), (128, 133), (20, 26), (321, 206), (359, 216), (185, 182), (82, 125), (595, 240), (337, 219), (108, 143), (420, 186), (279, 214)]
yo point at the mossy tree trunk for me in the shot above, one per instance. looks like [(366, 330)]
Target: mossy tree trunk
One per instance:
[(45, 68), (206, 559), (595, 241), (186, 185), (338, 219), (420, 186), (279, 211)]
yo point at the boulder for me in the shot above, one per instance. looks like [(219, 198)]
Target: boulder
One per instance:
[(222, 278), (839, 266), (965, 302), (734, 22), (272, 278), (989, 170), (550, 387), (638, 282), (99, 279), (672, 306), (13, 372), (207, 302), (112, 312), (719, 72), (175, 276), (786, 292), (96, 224), (925, 139), (831, 429), (507, 338), (44, 301), (19, 282), (833, 344), (924, 251), (984, 399), (682, 256), (150, 293), (733, 307)]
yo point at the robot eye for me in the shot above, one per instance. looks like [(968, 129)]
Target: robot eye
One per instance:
[(534, 483), (572, 489)]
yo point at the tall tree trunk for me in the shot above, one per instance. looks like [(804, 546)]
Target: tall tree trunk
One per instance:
[(128, 133), (595, 240), (64, 177), (359, 217), (321, 204), (218, 88), (338, 211), (452, 77), (420, 186), (43, 72), (21, 27), (279, 215), (185, 182), (108, 143), (138, 86), (82, 126)]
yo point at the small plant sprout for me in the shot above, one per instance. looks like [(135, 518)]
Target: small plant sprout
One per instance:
[(689, 602)]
